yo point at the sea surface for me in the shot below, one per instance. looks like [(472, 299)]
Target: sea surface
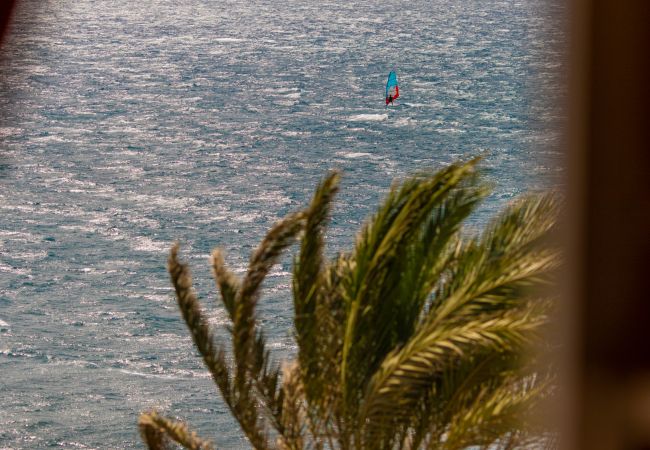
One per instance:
[(126, 126)]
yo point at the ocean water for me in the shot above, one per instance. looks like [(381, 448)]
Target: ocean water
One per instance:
[(126, 126)]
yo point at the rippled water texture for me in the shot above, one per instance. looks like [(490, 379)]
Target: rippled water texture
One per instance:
[(128, 125)]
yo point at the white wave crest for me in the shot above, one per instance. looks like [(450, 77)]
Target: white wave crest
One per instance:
[(227, 39), (353, 155), (368, 117)]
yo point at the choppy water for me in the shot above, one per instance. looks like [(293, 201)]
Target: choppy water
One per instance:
[(128, 125)]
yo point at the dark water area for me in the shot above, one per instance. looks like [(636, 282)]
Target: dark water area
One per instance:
[(126, 126)]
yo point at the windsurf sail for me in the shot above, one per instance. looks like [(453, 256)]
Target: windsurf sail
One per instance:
[(392, 89)]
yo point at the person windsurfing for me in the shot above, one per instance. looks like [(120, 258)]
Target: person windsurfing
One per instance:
[(392, 88)]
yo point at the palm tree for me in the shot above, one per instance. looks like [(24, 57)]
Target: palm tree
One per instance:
[(411, 340)]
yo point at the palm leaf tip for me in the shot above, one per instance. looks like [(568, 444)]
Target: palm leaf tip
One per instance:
[(179, 273), (281, 236), (227, 282), (158, 432), (320, 204), (187, 301)]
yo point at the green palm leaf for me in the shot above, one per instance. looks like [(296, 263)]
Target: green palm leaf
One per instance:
[(412, 340), (496, 271), (278, 239), (406, 376), (308, 269), (494, 414), (479, 305), (378, 264)]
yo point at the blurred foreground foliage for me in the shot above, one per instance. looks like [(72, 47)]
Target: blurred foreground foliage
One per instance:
[(413, 339)]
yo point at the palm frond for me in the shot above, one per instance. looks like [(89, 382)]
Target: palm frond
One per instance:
[(293, 418), (456, 387), (239, 399), (493, 415), (407, 375), (157, 432), (322, 394), (412, 340), (281, 235), (378, 265), (253, 361), (227, 282), (213, 355), (309, 265), (499, 270), (430, 253), (307, 274), (266, 374)]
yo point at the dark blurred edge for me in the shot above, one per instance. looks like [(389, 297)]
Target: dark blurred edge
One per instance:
[(6, 8), (607, 316)]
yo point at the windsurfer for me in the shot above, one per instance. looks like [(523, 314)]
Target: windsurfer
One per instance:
[(392, 89)]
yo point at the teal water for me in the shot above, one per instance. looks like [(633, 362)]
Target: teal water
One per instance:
[(128, 125)]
